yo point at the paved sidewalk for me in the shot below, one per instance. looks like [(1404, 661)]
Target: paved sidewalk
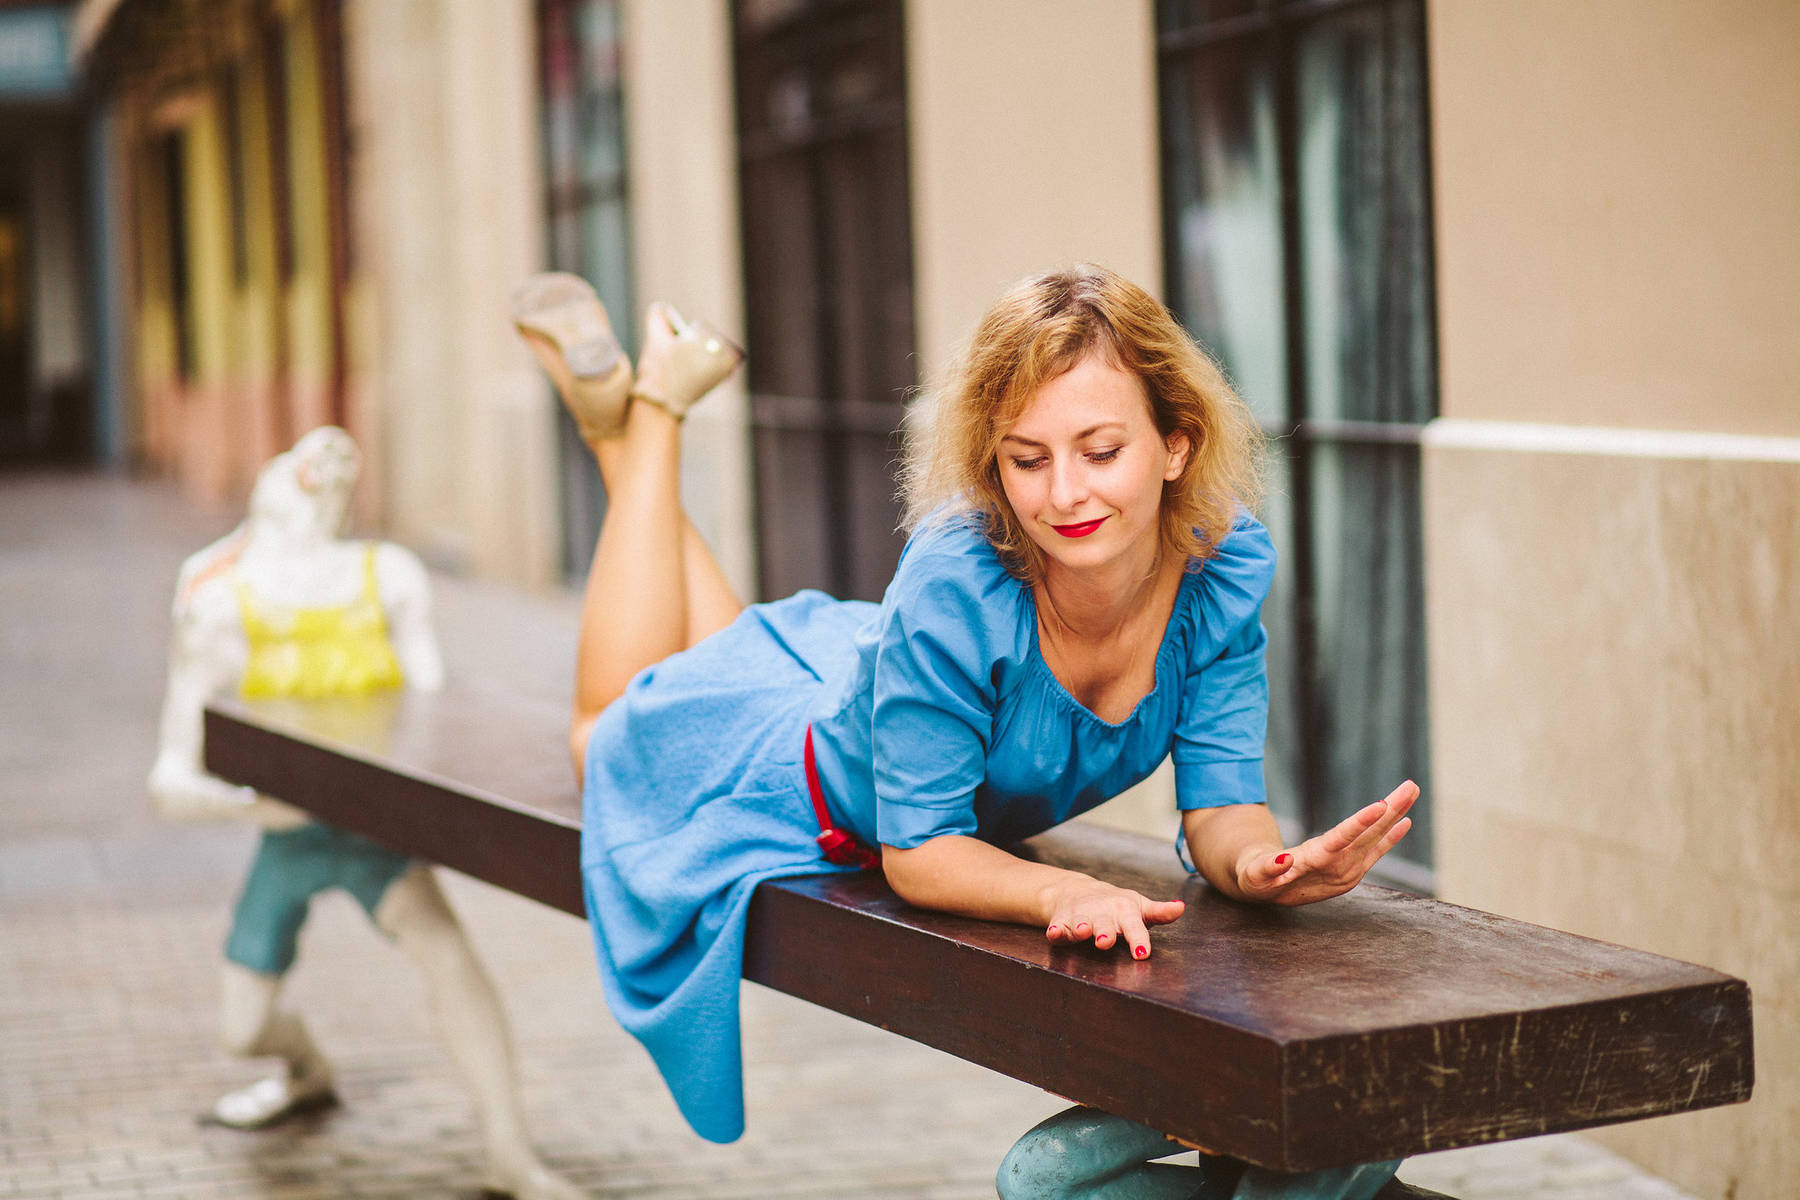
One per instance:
[(111, 921)]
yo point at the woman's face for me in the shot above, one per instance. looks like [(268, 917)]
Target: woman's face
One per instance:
[(1083, 468)]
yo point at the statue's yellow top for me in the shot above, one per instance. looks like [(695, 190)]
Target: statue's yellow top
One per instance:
[(340, 650)]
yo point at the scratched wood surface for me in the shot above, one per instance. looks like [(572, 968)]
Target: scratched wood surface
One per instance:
[(1376, 1025)]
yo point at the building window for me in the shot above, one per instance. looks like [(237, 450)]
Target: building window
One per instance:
[(272, 44), (171, 154), (1297, 223), (590, 235), (821, 97)]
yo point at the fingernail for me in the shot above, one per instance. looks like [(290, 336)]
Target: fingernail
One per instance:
[(1142, 952), (1281, 860)]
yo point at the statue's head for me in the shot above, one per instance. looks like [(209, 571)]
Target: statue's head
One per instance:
[(307, 489)]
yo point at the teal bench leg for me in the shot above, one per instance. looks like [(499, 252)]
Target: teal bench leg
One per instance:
[(1085, 1154)]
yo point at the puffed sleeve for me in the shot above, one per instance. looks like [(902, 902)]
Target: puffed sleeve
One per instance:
[(1218, 751), (944, 626)]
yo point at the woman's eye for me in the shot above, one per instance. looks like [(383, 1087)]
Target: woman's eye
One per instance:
[(1029, 464), (1105, 456)]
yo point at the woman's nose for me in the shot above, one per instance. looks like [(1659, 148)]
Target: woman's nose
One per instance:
[(1068, 485)]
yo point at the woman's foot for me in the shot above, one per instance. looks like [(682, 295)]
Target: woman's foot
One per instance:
[(564, 323), (681, 362)]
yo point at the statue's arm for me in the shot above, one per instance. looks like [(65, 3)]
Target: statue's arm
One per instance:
[(406, 600), (206, 656)]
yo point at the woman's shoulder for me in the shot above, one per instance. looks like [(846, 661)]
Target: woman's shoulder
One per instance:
[(952, 544), (1232, 583), (950, 571)]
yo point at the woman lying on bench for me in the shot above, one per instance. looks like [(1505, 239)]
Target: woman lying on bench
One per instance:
[(1079, 598)]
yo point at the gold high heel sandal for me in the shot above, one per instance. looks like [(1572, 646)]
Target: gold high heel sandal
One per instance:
[(682, 361), (566, 326)]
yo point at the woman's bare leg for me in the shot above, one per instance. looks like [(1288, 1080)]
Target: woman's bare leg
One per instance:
[(654, 588), (635, 611), (711, 602)]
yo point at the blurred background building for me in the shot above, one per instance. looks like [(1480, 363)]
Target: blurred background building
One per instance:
[(1507, 282), (45, 255)]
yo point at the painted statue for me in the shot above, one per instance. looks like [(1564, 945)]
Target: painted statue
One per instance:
[(285, 606), (1085, 1154)]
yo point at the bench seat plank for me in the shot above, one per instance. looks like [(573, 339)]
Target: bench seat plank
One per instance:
[(1376, 1025)]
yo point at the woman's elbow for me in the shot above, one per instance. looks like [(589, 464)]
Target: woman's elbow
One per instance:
[(901, 869)]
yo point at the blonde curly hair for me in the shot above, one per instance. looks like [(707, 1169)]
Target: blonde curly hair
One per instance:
[(1039, 329)]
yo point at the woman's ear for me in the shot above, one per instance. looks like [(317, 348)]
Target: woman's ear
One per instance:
[(1179, 447)]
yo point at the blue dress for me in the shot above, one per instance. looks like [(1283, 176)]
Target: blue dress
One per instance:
[(696, 789)]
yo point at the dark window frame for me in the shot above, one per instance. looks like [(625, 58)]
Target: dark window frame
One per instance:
[(792, 59), (170, 150), (1273, 28)]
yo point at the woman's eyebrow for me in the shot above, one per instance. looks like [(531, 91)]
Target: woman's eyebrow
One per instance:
[(1086, 433)]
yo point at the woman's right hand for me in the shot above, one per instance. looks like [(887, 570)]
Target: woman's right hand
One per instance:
[(1084, 909), (958, 874)]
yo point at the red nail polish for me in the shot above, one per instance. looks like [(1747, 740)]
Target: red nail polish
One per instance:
[(1281, 860), (1054, 930), (1082, 928), (1142, 952)]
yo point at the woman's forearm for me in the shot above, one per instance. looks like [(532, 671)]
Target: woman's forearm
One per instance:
[(966, 876), (973, 879), (1222, 839)]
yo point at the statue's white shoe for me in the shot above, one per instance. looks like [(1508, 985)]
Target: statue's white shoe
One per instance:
[(529, 1180), (272, 1101)]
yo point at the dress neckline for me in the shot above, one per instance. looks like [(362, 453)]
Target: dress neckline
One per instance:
[(1188, 575)]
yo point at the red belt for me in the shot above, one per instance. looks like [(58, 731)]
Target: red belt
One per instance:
[(839, 845)]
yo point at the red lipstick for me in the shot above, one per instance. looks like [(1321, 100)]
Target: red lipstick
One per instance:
[(1081, 530)]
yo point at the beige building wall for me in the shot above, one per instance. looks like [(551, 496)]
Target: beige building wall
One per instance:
[(1033, 138), (449, 218), (681, 169), (1617, 186), (1614, 674)]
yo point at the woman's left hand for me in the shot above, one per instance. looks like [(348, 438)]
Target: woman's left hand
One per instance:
[(1332, 863)]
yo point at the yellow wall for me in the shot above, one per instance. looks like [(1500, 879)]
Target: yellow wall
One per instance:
[(208, 231), (212, 420), (260, 355), (308, 298), (263, 353), (187, 421)]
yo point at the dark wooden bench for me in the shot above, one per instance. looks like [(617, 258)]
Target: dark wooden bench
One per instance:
[(1377, 1025)]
